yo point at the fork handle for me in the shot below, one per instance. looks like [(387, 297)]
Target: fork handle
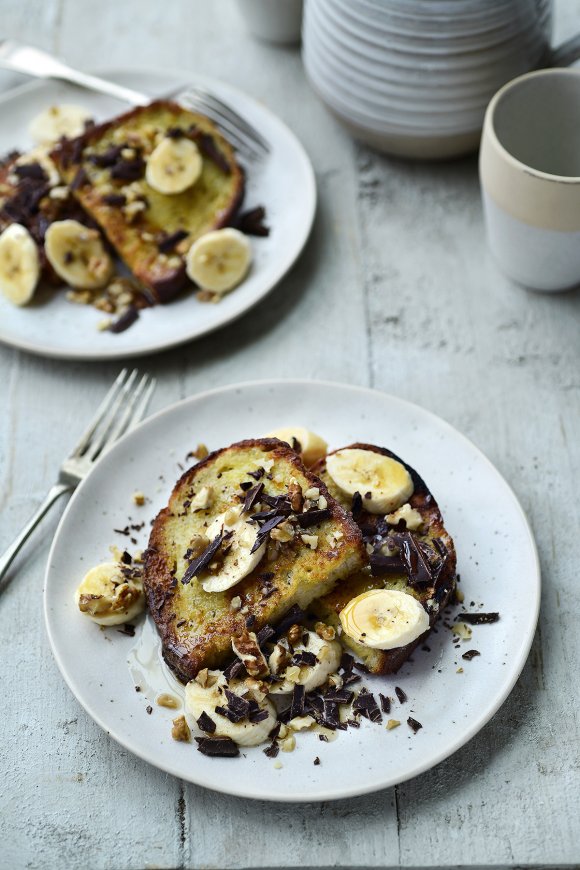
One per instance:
[(35, 62), (55, 493)]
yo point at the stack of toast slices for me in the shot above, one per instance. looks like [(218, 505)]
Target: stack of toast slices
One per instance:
[(318, 549)]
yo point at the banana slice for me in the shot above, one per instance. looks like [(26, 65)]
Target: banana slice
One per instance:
[(19, 264), (383, 483), (204, 699), (173, 165), (310, 445), (77, 255), (238, 561), (56, 121), (219, 260), (384, 619), (109, 598), (327, 652)]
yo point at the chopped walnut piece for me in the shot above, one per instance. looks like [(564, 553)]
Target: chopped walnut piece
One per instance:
[(180, 730), (138, 498), (326, 632), (236, 603), (310, 541), (202, 499), (167, 700), (462, 630), (288, 744), (392, 723), (279, 658), (201, 451), (295, 632), (247, 648), (296, 497)]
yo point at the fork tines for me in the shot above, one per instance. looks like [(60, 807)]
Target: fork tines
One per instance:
[(119, 412), (242, 134)]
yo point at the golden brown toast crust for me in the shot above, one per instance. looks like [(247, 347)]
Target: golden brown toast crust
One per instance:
[(208, 205), (297, 573), (422, 500)]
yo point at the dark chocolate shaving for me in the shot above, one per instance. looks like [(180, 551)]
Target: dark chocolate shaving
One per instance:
[(129, 170), (251, 223), (366, 705), (413, 724), (294, 615), (381, 565), (167, 244), (316, 760), (297, 704), (252, 496), (257, 474), (31, 170), (203, 560), (400, 695), (234, 669), (470, 654), (265, 530), (340, 696), (356, 506), (206, 723), (115, 199), (126, 320), (207, 145), (478, 618), (217, 747), (313, 518), (81, 178), (304, 658), (272, 750), (105, 160), (385, 703), (127, 629)]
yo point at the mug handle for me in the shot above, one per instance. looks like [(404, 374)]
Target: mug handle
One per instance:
[(565, 54)]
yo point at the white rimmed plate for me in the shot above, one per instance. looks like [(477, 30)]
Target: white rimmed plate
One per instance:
[(53, 327), (497, 561)]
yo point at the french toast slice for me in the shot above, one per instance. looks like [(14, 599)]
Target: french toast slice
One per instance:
[(151, 231), (435, 586), (268, 478)]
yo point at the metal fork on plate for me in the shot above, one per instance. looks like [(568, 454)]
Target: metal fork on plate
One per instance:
[(120, 411), (32, 61)]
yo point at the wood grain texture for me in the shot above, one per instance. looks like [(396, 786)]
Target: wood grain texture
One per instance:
[(397, 273)]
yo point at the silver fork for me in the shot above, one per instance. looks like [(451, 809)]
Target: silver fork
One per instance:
[(119, 412), (32, 61)]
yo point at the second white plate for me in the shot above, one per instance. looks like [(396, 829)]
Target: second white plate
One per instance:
[(497, 561), (53, 327)]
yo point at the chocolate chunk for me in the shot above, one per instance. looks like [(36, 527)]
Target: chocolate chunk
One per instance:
[(167, 244), (203, 560), (252, 496), (470, 654), (340, 696), (238, 707), (258, 716), (478, 618), (313, 518), (127, 629), (385, 703), (81, 178), (234, 669), (316, 760), (217, 747), (206, 723), (265, 530), (115, 199), (252, 224), (413, 724), (294, 615), (257, 474), (381, 565), (149, 709), (107, 159), (207, 145), (304, 658), (126, 320), (366, 705), (128, 170), (356, 506), (246, 485), (264, 635), (31, 170), (297, 704), (272, 750), (400, 695)]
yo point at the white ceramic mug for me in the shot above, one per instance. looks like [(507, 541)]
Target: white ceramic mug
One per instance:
[(530, 178)]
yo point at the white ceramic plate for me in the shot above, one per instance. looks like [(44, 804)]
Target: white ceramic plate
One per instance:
[(497, 562), (57, 328)]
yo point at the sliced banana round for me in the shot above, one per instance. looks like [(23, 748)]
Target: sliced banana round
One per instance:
[(309, 445), (238, 561), (106, 596), (219, 260), (384, 619), (204, 699), (19, 264), (328, 654), (64, 120), (173, 165), (77, 255), (383, 483)]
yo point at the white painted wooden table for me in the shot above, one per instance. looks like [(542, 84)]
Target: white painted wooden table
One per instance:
[(397, 275)]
